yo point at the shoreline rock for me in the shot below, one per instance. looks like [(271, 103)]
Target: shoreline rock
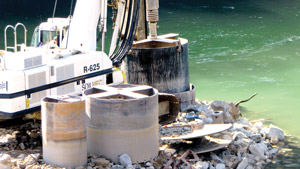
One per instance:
[(254, 146)]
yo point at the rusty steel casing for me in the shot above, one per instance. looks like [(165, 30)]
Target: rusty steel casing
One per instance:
[(122, 119), (163, 67), (64, 131)]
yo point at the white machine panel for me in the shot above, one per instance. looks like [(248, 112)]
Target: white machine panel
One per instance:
[(36, 77), (12, 82)]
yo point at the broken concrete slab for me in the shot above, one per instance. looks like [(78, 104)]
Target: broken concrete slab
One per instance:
[(211, 144), (207, 129)]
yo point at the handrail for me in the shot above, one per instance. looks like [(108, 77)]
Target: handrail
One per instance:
[(15, 47), (5, 38), (25, 32)]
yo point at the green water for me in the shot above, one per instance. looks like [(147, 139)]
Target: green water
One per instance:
[(236, 48)]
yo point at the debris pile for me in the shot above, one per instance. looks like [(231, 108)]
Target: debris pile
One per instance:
[(251, 144)]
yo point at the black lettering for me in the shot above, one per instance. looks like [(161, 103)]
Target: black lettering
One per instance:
[(91, 68), (83, 87), (85, 70)]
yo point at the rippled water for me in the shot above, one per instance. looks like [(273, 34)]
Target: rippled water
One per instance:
[(241, 47)]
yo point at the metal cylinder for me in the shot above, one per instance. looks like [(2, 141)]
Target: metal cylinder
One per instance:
[(152, 15), (64, 131), (152, 4), (165, 68), (153, 31), (122, 119), (186, 98), (218, 117)]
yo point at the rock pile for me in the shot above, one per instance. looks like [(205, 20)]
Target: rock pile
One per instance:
[(253, 145)]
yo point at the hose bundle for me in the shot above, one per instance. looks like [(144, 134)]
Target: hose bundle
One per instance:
[(130, 31)]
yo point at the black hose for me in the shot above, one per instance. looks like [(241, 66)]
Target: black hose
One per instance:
[(117, 59), (126, 32), (122, 26), (129, 34), (132, 32)]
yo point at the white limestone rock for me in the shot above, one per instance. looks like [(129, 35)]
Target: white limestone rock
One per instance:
[(249, 167), (231, 161), (36, 155), (216, 158), (258, 149), (5, 161), (274, 139), (244, 121), (148, 164), (243, 164), (170, 151), (125, 160), (30, 160), (274, 132), (236, 135), (258, 125), (201, 165), (220, 166), (241, 142), (241, 129), (251, 158), (5, 158)]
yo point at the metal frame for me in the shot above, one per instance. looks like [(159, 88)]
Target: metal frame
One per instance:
[(15, 47)]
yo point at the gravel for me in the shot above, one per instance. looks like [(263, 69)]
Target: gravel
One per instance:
[(255, 145)]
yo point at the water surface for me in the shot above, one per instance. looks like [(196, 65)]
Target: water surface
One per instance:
[(241, 47)]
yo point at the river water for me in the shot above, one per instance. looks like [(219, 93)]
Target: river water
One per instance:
[(236, 48)]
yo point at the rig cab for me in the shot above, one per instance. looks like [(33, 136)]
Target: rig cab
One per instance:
[(54, 30)]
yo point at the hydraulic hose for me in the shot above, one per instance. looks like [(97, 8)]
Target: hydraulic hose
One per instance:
[(122, 46), (130, 35), (132, 32), (128, 38), (118, 40)]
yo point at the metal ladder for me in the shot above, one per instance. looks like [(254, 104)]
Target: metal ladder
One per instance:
[(15, 47)]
